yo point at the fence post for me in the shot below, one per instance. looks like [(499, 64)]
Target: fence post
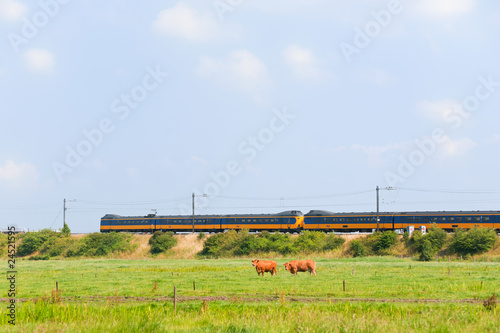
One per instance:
[(57, 286), (175, 299), (344, 285), (194, 285)]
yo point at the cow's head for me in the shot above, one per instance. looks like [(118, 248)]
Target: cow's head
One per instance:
[(287, 266), (255, 262)]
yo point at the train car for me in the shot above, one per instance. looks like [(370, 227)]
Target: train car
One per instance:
[(287, 221), (112, 222), (328, 221), (322, 220), (291, 221), (448, 220), (185, 223)]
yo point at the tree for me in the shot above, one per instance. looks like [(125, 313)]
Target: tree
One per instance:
[(65, 231)]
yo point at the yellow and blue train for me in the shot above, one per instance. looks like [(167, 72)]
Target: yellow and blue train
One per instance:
[(295, 221), (291, 221)]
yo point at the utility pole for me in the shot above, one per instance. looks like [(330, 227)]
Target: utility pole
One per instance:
[(64, 210), (200, 195), (378, 217), (390, 188)]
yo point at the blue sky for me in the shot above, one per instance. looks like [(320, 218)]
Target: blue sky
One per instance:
[(263, 106)]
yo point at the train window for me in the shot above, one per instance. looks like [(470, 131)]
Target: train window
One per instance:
[(468, 219), (460, 219), (486, 219), (477, 218), (341, 219), (266, 221), (442, 219), (254, 220), (451, 219), (418, 219), (425, 219), (434, 219)]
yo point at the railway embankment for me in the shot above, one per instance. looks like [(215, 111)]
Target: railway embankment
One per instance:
[(47, 244)]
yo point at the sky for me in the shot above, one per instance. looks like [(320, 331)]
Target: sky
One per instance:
[(126, 107)]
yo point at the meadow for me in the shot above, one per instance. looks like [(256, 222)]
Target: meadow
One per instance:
[(226, 295)]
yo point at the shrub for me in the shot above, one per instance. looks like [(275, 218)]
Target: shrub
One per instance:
[(40, 257), (357, 248), (32, 241), (429, 244), (162, 242), (201, 235), (309, 241), (333, 242), (99, 244), (3, 244), (234, 243), (385, 240), (65, 231), (476, 240), (426, 251), (437, 238), (220, 244)]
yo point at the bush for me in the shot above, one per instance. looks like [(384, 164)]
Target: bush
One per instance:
[(99, 244), (65, 231), (333, 242), (234, 243), (40, 257), (437, 238), (311, 241), (357, 248), (429, 244), (476, 240), (3, 244), (426, 251), (32, 241), (386, 240), (162, 242)]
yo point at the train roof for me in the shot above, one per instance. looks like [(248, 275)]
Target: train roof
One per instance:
[(421, 213), (151, 216)]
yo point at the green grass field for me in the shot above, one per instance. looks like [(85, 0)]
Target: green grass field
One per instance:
[(382, 294)]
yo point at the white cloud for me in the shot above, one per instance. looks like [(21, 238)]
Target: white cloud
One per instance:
[(377, 155), (302, 61), (439, 110), (240, 70), (495, 138), (459, 147), (444, 8), (40, 61), (184, 22), (12, 10), (19, 175)]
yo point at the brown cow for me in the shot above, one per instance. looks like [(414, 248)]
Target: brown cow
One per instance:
[(265, 266), (295, 266)]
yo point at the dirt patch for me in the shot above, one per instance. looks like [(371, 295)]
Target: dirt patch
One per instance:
[(239, 299)]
